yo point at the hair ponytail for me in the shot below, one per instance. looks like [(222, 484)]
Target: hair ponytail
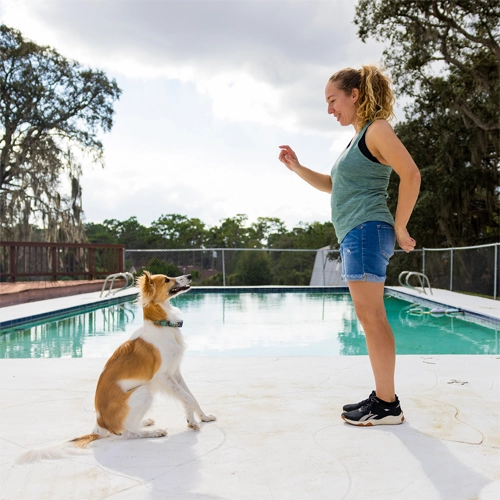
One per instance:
[(376, 98)]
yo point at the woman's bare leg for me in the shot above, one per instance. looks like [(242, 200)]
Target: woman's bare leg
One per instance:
[(368, 301)]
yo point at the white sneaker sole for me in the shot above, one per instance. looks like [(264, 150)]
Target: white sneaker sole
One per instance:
[(389, 420)]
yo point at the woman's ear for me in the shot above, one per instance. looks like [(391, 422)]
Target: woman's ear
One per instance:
[(355, 95)]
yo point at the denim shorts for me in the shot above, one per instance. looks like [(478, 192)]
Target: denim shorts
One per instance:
[(366, 250)]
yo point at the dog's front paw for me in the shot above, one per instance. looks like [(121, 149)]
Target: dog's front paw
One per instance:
[(193, 425), (152, 433), (208, 418), (148, 422)]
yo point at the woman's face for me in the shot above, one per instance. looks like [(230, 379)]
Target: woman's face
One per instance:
[(341, 105)]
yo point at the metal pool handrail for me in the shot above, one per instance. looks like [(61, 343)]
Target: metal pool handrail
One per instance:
[(421, 277), (128, 276)]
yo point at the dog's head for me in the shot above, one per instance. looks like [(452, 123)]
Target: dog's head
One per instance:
[(158, 288)]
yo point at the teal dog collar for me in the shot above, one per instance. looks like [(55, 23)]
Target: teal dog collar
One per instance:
[(164, 322)]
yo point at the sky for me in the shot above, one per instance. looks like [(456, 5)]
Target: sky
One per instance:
[(211, 88)]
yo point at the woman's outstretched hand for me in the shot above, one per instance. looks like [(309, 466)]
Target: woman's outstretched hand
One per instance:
[(289, 158), (405, 241)]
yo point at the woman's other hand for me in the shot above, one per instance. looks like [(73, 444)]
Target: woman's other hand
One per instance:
[(405, 241)]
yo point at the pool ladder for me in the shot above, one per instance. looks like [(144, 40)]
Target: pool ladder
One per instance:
[(422, 278), (128, 276)]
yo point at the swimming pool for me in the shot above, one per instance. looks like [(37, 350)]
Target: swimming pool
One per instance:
[(254, 324)]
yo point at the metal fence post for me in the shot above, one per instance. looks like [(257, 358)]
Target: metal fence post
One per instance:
[(323, 261), (423, 260), (495, 279), (451, 270), (223, 269)]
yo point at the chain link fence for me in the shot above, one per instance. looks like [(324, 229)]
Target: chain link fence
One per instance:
[(474, 270), (468, 269)]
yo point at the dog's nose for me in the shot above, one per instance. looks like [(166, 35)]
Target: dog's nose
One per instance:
[(189, 277)]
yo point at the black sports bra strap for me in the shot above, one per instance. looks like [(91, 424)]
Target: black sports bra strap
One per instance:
[(364, 148)]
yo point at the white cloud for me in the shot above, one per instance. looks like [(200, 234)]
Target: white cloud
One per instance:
[(240, 97), (261, 61), (211, 88)]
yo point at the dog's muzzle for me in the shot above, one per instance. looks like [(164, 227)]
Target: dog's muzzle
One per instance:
[(181, 284)]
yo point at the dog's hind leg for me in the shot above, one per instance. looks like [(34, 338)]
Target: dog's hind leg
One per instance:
[(139, 403), (174, 388), (99, 430), (197, 407)]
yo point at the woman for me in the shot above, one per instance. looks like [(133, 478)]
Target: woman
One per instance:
[(365, 228)]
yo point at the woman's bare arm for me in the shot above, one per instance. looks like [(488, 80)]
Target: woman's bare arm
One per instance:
[(323, 182), (384, 144)]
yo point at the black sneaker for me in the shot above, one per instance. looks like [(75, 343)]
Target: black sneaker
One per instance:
[(375, 412), (355, 406)]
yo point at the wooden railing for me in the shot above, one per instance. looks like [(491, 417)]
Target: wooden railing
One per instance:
[(20, 259)]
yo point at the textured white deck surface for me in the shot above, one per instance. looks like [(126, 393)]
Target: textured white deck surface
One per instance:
[(278, 435)]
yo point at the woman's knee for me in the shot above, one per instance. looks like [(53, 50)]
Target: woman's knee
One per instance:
[(372, 318)]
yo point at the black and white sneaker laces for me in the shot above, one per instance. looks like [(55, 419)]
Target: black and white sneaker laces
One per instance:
[(356, 406)]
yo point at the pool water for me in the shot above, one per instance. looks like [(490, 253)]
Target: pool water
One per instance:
[(254, 324)]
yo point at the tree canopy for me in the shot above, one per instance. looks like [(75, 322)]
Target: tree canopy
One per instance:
[(243, 267), (175, 231), (51, 113), (445, 56)]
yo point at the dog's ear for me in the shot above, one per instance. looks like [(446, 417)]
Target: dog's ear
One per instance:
[(146, 288)]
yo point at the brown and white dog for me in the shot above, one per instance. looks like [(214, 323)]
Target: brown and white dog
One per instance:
[(147, 363)]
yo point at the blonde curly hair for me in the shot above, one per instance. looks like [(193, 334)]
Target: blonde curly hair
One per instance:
[(376, 98)]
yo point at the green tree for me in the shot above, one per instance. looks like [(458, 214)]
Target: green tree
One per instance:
[(215, 280), (253, 268), (99, 233), (232, 233), (157, 266), (445, 56), (292, 268), (51, 112), (178, 231), (129, 232), (312, 235), (265, 229)]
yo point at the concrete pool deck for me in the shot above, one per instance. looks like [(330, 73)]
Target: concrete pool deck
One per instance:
[(278, 435)]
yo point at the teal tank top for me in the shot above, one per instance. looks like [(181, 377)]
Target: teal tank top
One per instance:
[(359, 189)]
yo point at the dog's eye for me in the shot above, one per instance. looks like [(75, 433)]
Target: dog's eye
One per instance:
[(167, 280)]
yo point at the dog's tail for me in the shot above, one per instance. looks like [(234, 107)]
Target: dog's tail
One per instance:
[(74, 446)]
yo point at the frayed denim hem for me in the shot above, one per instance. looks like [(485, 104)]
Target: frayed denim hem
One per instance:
[(371, 278)]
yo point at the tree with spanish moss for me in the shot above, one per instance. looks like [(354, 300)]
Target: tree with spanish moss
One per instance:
[(445, 56), (52, 111)]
